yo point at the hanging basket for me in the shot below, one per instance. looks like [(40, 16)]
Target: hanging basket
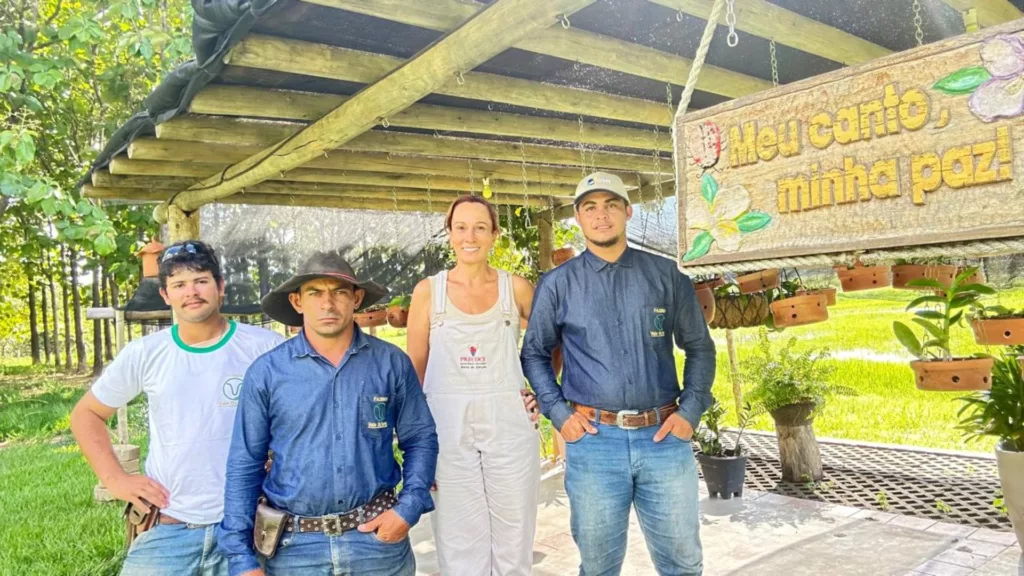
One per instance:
[(561, 256), (861, 278), (800, 310), (740, 310), (398, 316), (957, 375), (905, 273), (371, 319), (999, 331), (706, 299), (758, 281), (829, 293)]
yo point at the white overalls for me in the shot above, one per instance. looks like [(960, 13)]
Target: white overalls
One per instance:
[(488, 468)]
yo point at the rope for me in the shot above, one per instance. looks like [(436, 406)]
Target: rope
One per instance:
[(970, 250)]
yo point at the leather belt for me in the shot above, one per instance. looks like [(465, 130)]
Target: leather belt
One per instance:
[(336, 524), (629, 419)]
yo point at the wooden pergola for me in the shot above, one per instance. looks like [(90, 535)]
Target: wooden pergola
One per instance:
[(402, 105)]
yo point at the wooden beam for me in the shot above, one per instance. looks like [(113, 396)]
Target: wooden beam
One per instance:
[(323, 61), (573, 44), (348, 161), (304, 107), (417, 145), (104, 179), (439, 199), (764, 19), (990, 12)]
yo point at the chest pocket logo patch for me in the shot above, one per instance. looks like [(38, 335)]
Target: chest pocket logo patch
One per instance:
[(380, 413), (657, 322)]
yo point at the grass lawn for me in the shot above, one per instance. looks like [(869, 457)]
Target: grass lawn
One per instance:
[(49, 524)]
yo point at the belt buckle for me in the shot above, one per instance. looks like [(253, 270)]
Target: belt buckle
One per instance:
[(330, 525), (619, 419)]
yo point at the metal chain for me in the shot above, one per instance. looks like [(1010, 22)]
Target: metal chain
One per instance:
[(394, 198), (668, 100), (583, 151), (471, 185), (918, 33), (526, 198), (658, 194), (730, 18), (639, 188), (775, 64)]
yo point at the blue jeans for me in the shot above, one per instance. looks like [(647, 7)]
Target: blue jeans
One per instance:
[(608, 472), (176, 550), (353, 553)]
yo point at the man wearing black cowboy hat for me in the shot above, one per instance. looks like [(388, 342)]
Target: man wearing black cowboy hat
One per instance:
[(328, 403)]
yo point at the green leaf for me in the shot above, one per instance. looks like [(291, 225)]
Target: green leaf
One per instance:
[(931, 328), (963, 300), (963, 81), (701, 245), (979, 288), (25, 150), (708, 187), (753, 221), (956, 318), (104, 244), (84, 207), (906, 337), (930, 314), (926, 283), (929, 299)]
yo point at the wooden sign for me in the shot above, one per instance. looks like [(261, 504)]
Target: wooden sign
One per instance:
[(921, 147)]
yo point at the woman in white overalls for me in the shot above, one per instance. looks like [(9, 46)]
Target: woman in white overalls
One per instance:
[(463, 336)]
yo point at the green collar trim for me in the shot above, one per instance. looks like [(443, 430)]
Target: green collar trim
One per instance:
[(224, 340)]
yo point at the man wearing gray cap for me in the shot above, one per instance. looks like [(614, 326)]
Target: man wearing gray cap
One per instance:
[(615, 312)]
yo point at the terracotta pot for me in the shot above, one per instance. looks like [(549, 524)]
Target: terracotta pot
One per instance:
[(758, 281), (800, 310), (398, 317), (977, 278), (1011, 479), (830, 294), (954, 375), (861, 278), (999, 332), (562, 255), (740, 310), (706, 299), (903, 274), (710, 284), (369, 319)]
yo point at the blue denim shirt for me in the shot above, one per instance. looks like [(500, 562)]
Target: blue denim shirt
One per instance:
[(331, 431), (616, 322)]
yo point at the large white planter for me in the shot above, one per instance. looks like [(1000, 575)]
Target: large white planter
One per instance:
[(1011, 476)]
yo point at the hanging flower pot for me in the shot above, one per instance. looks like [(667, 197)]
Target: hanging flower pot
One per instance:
[(904, 273), (561, 256), (740, 310), (371, 317), (956, 375), (998, 331), (709, 285), (830, 294), (800, 310), (758, 281), (706, 299), (863, 278), (398, 317)]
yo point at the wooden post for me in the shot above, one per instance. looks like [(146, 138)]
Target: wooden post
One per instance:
[(181, 225), (122, 412), (734, 372), (798, 448), (546, 240)]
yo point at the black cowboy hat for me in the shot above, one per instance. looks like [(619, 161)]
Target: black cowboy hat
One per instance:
[(329, 264)]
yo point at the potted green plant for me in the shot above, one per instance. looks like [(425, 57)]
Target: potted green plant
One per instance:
[(999, 412), (376, 315), (736, 310), (791, 308), (998, 326), (398, 311), (724, 469), (936, 368), (858, 277), (905, 272), (793, 388)]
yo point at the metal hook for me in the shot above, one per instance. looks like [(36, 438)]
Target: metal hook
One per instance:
[(565, 22), (384, 122), (490, 106), (679, 16), (460, 78)]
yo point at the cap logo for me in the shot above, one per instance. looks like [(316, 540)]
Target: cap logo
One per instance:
[(590, 181)]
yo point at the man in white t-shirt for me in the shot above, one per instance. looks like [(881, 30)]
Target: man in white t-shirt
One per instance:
[(192, 376)]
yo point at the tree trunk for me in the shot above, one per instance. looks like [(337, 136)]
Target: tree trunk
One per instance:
[(67, 308), (76, 298), (105, 295), (33, 321), (798, 448), (115, 302), (46, 322), (53, 309), (97, 326)]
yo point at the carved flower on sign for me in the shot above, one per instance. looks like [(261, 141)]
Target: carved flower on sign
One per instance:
[(996, 87), (722, 217)]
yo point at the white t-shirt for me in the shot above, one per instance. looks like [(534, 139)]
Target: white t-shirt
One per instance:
[(193, 393)]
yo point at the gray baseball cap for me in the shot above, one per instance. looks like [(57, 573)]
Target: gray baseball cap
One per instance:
[(600, 182)]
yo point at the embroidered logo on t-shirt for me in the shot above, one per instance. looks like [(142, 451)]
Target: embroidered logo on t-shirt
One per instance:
[(380, 413), (658, 322), (473, 361), (230, 391)]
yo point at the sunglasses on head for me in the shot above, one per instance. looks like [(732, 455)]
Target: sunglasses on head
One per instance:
[(175, 250)]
